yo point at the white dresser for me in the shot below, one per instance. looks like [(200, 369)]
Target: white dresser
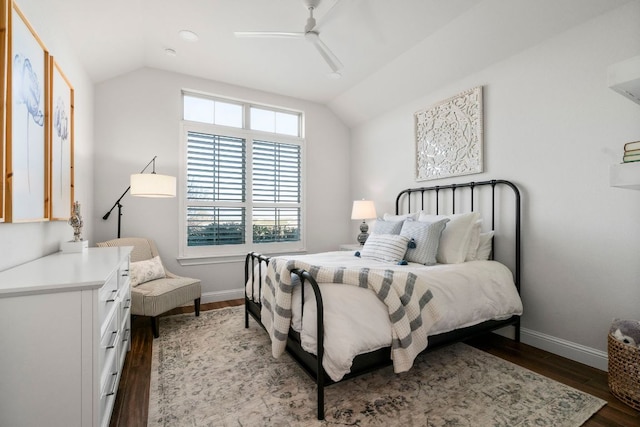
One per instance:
[(64, 334)]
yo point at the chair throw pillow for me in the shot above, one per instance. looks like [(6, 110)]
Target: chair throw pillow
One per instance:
[(145, 271)]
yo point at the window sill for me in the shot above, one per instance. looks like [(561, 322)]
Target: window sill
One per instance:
[(186, 261)]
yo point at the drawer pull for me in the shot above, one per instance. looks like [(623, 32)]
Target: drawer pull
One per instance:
[(128, 304), (113, 296), (114, 336), (112, 389)]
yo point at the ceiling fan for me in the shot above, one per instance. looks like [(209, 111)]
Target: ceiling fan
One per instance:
[(310, 34)]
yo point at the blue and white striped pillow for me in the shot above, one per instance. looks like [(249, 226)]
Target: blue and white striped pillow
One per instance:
[(427, 238), (385, 247)]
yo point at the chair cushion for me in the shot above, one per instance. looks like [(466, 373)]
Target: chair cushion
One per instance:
[(158, 296)]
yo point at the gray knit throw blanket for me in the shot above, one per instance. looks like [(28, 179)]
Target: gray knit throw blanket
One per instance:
[(412, 310)]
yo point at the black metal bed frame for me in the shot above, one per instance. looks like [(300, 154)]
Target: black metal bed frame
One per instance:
[(368, 362)]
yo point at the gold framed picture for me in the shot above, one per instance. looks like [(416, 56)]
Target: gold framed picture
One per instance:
[(61, 137), (4, 23), (27, 158)]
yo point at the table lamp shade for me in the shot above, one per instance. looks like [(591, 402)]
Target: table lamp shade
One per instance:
[(363, 209)]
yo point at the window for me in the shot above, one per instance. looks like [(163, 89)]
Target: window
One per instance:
[(275, 121), (243, 171)]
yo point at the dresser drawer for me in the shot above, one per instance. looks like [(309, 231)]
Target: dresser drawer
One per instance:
[(108, 389), (124, 303), (125, 344), (108, 346), (107, 297), (123, 274)]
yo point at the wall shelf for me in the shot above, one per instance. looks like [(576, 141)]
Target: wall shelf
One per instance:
[(625, 175)]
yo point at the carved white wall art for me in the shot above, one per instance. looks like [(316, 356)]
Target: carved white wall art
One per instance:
[(449, 137)]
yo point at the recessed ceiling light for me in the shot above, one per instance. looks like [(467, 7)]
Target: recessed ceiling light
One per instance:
[(189, 35), (170, 52), (335, 75)]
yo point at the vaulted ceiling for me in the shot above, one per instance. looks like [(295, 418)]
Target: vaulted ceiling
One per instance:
[(391, 50)]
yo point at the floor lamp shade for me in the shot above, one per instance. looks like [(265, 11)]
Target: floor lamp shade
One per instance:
[(153, 185)]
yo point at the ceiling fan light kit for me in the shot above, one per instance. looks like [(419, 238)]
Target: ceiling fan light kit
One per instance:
[(310, 34)]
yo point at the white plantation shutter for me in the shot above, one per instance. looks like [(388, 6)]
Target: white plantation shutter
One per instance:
[(216, 167), (216, 172), (276, 172), (276, 192)]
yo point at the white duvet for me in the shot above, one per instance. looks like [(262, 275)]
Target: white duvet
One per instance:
[(356, 321)]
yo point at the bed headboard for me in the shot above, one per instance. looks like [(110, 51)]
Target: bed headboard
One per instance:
[(497, 201)]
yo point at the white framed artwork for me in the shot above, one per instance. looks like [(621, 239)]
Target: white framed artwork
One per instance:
[(449, 137)]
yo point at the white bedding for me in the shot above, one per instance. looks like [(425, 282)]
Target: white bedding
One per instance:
[(356, 321)]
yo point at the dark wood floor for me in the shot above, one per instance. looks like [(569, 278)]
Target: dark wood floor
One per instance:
[(132, 401)]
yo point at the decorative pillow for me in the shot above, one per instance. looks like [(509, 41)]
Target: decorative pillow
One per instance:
[(385, 247), (145, 271), (426, 236), (387, 227), (454, 242), (474, 240), (391, 217), (485, 246)]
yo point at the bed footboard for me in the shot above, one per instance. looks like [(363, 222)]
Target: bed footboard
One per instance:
[(252, 303), (312, 364)]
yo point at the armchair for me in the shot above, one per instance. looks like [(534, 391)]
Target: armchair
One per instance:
[(154, 297)]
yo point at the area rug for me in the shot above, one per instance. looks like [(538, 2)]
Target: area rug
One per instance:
[(211, 371)]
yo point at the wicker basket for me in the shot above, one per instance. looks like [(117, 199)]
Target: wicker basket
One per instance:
[(624, 372)]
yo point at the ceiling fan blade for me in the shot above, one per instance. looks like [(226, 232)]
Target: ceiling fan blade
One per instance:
[(324, 51), (269, 34)]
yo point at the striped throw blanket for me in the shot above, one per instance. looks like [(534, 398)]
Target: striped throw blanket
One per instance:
[(412, 310)]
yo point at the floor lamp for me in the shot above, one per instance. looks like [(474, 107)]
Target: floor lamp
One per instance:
[(146, 185)]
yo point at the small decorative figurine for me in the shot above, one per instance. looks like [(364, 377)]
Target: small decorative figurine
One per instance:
[(76, 222)]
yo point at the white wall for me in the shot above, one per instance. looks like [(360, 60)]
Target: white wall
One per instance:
[(138, 116), (553, 127), (20, 243)]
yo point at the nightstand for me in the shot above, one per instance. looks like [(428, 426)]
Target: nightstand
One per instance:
[(351, 247)]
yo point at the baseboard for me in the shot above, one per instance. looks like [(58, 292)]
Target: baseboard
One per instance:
[(589, 356), (221, 296)]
